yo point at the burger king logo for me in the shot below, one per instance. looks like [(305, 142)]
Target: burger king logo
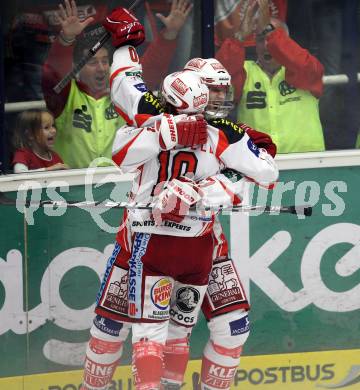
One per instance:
[(161, 293)]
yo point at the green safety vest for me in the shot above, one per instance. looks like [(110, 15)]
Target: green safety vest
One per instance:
[(357, 145), (86, 128), (289, 115)]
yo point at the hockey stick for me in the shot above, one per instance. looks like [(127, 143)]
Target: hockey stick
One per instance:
[(100, 43), (299, 210)]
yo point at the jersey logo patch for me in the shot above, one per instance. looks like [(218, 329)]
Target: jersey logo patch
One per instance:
[(107, 325), (253, 148), (141, 87), (240, 326), (224, 287), (161, 293), (136, 74), (109, 264), (140, 243)]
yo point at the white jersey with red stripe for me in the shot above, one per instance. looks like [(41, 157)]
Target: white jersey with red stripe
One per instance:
[(132, 100), (138, 149)]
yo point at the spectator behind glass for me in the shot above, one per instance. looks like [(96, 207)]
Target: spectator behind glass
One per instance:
[(154, 20), (229, 15), (279, 93), (34, 139), (31, 27), (85, 117), (330, 30)]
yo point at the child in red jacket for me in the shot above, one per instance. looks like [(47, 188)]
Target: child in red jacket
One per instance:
[(34, 139)]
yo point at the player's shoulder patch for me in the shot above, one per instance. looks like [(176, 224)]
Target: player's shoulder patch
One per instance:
[(232, 131), (136, 74), (141, 87), (149, 104), (232, 175)]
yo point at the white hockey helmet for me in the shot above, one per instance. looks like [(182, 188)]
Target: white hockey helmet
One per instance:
[(186, 92), (217, 78)]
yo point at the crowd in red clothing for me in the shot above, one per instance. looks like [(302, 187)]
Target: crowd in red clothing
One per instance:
[(235, 38)]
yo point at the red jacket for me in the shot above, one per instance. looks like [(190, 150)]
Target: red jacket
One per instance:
[(303, 70)]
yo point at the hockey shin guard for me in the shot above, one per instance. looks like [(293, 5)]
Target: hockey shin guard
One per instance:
[(219, 365), (147, 364), (176, 356), (101, 360), (103, 352)]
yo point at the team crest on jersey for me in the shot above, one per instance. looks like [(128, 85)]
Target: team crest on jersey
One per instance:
[(161, 293), (179, 86), (224, 286), (200, 100)]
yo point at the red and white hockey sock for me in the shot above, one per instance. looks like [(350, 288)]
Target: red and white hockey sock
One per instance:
[(102, 358), (176, 357), (219, 365), (147, 364)]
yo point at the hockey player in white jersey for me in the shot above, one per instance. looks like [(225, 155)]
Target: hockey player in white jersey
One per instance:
[(160, 159), (227, 319), (225, 305), (154, 150)]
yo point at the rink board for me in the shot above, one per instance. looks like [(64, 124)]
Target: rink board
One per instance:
[(302, 278), (306, 371)]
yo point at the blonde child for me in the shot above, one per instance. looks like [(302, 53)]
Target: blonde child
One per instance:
[(34, 138)]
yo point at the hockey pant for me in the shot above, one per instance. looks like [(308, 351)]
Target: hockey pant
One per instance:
[(225, 303), (162, 283)]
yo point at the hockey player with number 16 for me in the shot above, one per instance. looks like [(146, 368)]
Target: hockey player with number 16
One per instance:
[(170, 150)]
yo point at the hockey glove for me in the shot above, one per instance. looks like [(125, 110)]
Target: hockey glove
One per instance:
[(124, 27), (262, 141), (182, 130), (175, 200)]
